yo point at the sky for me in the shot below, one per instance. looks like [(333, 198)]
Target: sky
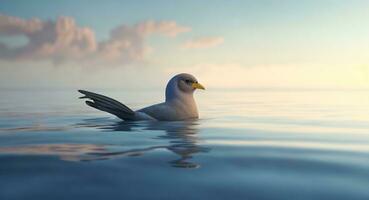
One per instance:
[(225, 44)]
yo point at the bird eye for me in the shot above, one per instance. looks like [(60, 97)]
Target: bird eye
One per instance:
[(187, 81)]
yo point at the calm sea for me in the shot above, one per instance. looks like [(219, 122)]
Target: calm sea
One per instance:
[(248, 144)]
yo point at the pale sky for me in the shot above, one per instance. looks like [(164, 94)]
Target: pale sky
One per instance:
[(225, 44)]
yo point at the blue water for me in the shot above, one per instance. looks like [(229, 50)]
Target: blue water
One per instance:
[(248, 144)]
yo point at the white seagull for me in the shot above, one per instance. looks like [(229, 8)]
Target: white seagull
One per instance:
[(179, 102)]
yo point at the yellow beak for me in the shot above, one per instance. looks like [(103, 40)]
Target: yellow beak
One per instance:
[(198, 86)]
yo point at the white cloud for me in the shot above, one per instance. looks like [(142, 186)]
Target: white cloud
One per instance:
[(63, 40), (203, 42)]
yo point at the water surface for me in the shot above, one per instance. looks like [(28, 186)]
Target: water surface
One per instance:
[(248, 144)]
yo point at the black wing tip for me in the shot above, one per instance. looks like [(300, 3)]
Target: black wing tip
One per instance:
[(85, 93), (82, 91), (90, 103)]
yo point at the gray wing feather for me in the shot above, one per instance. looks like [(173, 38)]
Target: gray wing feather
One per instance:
[(161, 111), (109, 105)]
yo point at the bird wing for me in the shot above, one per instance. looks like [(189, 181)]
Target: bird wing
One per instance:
[(161, 112), (109, 105)]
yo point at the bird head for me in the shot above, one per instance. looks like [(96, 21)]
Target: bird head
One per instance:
[(182, 84), (188, 83)]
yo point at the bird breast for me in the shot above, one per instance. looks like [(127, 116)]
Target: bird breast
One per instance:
[(185, 109)]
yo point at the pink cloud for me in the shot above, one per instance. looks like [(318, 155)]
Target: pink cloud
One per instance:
[(167, 28), (128, 42), (56, 40), (63, 40), (13, 25), (203, 42)]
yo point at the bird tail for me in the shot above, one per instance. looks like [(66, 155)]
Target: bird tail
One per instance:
[(109, 105)]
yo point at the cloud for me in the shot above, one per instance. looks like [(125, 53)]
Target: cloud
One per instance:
[(203, 42), (63, 40), (128, 42), (13, 25), (58, 40)]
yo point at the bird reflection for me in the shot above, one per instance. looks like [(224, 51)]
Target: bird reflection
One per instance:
[(182, 139)]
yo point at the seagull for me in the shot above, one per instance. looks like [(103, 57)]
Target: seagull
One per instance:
[(179, 102)]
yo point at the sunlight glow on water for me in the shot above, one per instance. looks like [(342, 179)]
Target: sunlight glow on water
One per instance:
[(256, 144)]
